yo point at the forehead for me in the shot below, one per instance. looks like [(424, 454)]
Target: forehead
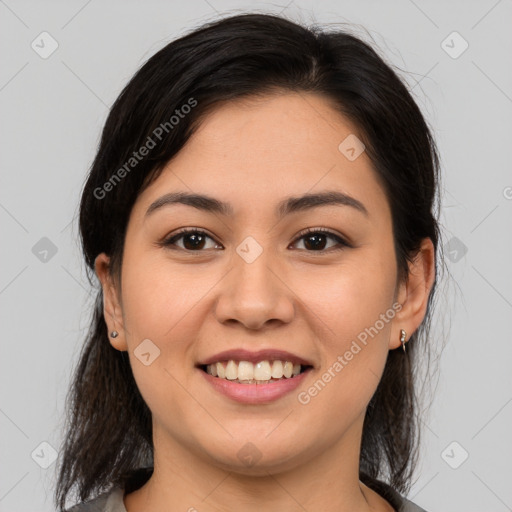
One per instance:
[(257, 150)]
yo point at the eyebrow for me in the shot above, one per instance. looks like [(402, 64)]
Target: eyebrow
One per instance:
[(284, 207)]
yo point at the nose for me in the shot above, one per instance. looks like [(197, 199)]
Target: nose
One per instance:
[(254, 294)]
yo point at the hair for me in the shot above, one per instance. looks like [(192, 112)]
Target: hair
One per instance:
[(108, 438)]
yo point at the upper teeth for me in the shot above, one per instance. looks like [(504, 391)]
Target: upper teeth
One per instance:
[(244, 370)]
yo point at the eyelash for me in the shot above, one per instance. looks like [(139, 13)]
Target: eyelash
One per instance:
[(342, 244)]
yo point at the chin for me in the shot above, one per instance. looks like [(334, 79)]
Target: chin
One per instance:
[(251, 461)]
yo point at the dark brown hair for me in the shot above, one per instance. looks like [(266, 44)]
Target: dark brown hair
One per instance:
[(108, 432)]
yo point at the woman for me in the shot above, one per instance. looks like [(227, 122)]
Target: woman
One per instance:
[(260, 215)]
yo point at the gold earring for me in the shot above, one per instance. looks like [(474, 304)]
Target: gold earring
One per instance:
[(402, 338)]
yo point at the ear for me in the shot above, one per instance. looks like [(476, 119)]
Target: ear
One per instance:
[(111, 304), (414, 293)]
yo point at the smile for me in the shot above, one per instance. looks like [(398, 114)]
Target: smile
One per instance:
[(255, 377), (245, 372)]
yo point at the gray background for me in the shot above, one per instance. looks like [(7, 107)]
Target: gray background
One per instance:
[(52, 111)]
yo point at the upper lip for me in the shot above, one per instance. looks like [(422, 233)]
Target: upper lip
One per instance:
[(255, 357)]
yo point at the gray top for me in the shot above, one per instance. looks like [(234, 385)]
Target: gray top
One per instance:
[(112, 501)]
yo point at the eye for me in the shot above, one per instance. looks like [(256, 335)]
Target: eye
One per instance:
[(193, 240), (315, 239)]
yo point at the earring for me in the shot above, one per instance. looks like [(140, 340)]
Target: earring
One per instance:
[(114, 334), (402, 338)]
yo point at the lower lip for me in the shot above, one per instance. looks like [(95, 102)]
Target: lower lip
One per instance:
[(255, 393)]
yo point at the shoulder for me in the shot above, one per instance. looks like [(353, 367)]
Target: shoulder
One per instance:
[(397, 501), (110, 501)]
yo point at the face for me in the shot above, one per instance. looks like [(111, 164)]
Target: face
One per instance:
[(251, 279)]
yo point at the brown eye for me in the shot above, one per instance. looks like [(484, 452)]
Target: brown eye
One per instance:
[(315, 240), (193, 240)]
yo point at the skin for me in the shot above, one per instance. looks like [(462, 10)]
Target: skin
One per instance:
[(312, 302)]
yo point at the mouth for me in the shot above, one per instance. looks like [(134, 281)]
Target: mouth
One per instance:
[(263, 372), (257, 383)]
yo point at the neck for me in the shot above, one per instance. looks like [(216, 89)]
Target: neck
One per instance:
[(186, 479)]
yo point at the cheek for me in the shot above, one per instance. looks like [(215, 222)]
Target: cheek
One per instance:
[(157, 296), (353, 359), (354, 311), (158, 305), (162, 303), (351, 297)]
